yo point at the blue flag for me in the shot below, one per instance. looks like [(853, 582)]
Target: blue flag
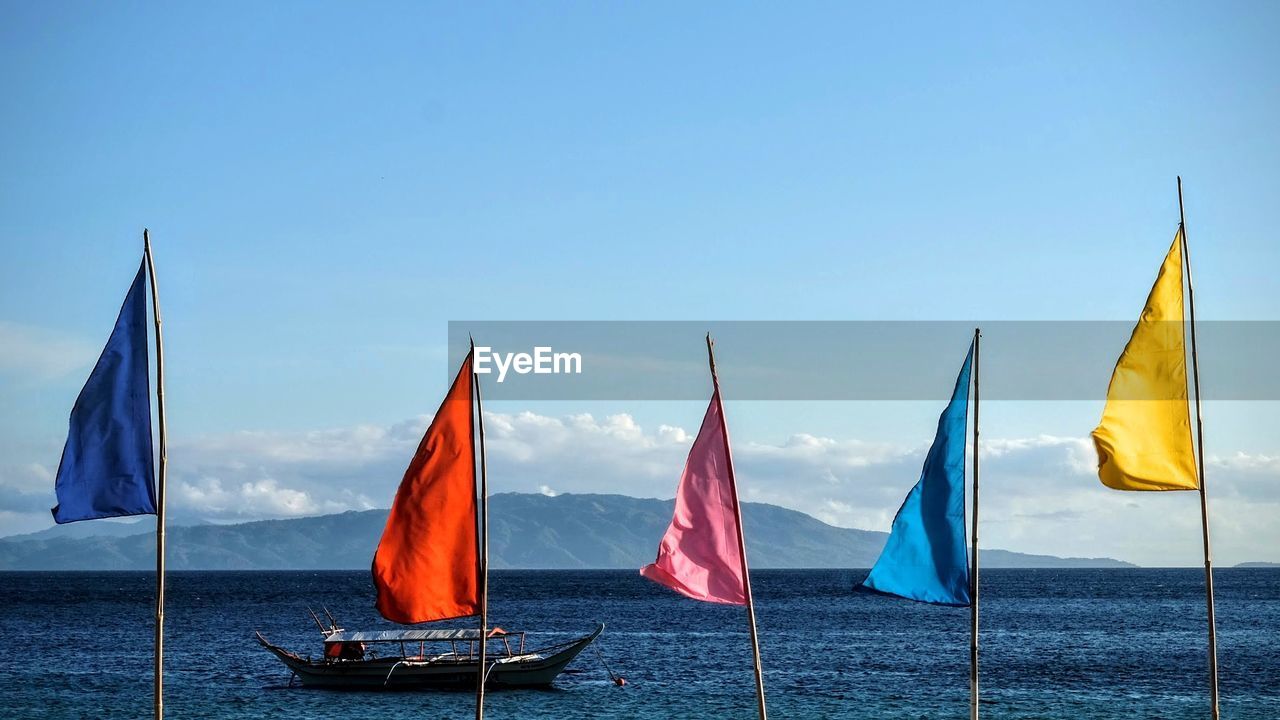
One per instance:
[(107, 469), (925, 558)]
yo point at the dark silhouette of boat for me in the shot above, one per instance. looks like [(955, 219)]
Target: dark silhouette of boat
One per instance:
[(418, 658)]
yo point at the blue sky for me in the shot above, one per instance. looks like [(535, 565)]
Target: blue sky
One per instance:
[(329, 184)]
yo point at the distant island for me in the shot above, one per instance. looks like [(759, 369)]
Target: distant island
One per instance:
[(1257, 564), (528, 532)]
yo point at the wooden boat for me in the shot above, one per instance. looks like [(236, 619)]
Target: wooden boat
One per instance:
[(447, 581), (405, 659)]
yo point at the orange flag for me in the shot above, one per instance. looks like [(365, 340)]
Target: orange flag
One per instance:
[(426, 565)]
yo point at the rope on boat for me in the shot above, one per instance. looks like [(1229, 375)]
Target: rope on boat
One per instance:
[(617, 679), (393, 669), (557, 646), (418, 663)]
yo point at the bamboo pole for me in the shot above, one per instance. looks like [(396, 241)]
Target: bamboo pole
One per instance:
[(742, 540), (164, 461), (484, 549), (973, 576), (1204, 497)]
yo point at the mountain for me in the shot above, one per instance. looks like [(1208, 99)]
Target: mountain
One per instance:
[(528, 531), (1257, 564), (114, 527)]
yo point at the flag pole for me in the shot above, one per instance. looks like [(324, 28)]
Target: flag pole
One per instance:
[(1204, 497), (484, 548), (164, 461), (973, 579), (742, 540)]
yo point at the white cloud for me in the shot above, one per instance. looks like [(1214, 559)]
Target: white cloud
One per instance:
[(38, 354), (1040, 493), (1246, 462), (261, 498), (27, 488), (580, 453)]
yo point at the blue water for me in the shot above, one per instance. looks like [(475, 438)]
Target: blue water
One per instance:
[(1055, 644)]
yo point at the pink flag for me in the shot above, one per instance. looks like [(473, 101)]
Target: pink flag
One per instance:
[(699, 556)]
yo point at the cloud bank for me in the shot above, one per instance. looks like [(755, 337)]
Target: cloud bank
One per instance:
[(1040, 493), (35, 354)]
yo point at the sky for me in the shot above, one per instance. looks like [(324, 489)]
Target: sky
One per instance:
[(328, 185)]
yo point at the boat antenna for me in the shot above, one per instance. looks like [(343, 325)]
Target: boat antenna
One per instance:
[(333, 623), (319, 624)]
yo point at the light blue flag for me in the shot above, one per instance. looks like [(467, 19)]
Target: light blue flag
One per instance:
[(925, 558)]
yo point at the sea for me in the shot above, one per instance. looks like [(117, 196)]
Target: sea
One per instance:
[(1116, 643)]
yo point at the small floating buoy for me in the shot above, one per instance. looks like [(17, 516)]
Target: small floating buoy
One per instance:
[(619, 681)]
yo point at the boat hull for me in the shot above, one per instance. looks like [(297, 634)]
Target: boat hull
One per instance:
[(525, 671)]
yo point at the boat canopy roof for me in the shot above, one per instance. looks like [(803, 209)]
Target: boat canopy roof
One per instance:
[(391, 636)]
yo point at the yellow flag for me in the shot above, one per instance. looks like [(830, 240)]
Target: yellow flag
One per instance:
[(1144, 439)]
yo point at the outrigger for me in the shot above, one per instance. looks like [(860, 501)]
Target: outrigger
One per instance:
[(403, 659)]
